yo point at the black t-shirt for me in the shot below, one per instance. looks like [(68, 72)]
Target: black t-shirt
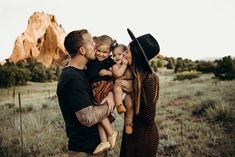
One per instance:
[(94, 67), (74, 93)]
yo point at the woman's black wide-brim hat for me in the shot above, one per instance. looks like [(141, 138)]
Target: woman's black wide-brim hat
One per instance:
[(148, 48)]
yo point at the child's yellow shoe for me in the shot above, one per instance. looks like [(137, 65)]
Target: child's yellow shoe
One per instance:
[(103, 146), (113, 139), (121, 108)]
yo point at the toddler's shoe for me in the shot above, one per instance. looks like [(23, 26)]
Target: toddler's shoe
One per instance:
[(128, 129), (103, 146), (113, 139), (121, 108)]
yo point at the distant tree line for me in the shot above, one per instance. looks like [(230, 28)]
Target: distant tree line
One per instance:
[(30, 70), (223, 69), (26, 70)]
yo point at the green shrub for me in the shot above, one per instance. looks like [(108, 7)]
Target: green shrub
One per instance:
[(153, 65), (200, 109), (161, 63), (44, 106), (206, 66), (184, 65), (187, 75), (199, 93), (10, 105), (11, 74), (6, 77), (171, 62), (170, 65), (225, 69), (167, 146), (26, 70), (37, 71), (220, 112), (52, 73), (25, 109)]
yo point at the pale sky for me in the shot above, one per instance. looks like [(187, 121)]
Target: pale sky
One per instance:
[(191, 29)]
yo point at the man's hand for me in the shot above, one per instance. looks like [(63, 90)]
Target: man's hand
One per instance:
[(110, 101)]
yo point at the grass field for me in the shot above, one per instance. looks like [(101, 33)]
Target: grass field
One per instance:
[(195, 118)]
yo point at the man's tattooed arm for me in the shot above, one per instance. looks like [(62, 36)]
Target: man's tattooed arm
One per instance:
[(91, 115)]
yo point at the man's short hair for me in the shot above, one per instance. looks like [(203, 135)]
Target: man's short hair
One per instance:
[(73, 41)]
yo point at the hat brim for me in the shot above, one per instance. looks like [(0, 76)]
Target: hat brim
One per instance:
[(141, 48)]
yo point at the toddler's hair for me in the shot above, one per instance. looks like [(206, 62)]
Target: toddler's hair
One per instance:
[(105, 39), (122, 46)]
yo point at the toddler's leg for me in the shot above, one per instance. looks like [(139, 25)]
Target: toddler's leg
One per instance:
[(112, 134), (129, 114), (104, 145), (102, 133), (117, 90)]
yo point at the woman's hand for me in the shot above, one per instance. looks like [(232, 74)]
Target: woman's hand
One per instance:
[(124, 61)]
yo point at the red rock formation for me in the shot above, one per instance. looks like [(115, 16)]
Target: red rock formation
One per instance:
[(43, 40)]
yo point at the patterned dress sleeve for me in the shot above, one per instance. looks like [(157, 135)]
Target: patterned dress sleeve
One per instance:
[(150, 95)]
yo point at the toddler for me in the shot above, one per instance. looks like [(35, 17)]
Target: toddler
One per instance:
[(102, 84), (123, 86)]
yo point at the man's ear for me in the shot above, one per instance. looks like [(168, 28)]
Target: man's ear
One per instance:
[(82, 50)]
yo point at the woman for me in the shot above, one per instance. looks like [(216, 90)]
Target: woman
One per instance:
[(143, 142)]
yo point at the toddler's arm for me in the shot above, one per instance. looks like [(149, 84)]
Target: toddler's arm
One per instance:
[(119, 69), (105, 72)]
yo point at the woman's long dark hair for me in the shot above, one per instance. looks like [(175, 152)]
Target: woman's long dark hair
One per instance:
[(140, 72), (138, 58)]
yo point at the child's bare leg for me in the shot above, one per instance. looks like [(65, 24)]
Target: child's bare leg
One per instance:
[(129, 114), (104, 144), (117, 90), (112, 135), (129, 106), (107, 127), (102, 133)]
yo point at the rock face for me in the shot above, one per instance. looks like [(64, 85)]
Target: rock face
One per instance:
[(43, 40)]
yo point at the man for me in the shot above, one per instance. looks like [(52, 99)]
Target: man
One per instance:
[(75, 97)]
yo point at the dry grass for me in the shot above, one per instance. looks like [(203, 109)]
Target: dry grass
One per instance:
[(182, 132)]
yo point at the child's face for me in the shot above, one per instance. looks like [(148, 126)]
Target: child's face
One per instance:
[(118, 55), (102, 52)]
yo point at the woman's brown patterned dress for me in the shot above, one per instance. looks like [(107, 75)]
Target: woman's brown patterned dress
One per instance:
[(143, 142)]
